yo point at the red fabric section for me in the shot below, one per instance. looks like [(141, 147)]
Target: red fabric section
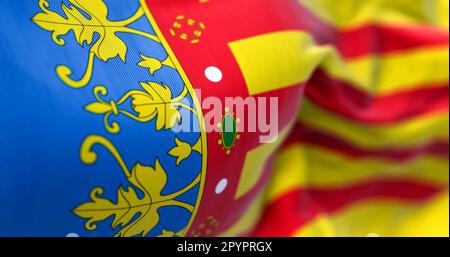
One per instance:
[(373, 38), (294, 209), (307, 135), (344, 99)]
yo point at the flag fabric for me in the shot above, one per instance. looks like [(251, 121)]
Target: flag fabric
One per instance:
[(368, 154), (116, 120)]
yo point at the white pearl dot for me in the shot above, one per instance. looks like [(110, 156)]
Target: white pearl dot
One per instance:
[(221, 185), (213, 74), (72, 235)]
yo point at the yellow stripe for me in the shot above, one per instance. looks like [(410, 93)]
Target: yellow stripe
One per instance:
[(385, 218), (281, 59), (353, 13), (255, 161), (401, 71), (443, 13), (290, 171), (248, 220), (381, 75), (410, 133), (432, 219), (301, 165), (276, 60)]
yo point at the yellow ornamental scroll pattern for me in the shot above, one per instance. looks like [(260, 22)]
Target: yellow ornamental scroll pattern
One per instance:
[(150, 181), (107, 46)]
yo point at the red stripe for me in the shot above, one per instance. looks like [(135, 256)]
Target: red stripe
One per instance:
[(293, 210), (372, 38), (307, 135), (344, 99)]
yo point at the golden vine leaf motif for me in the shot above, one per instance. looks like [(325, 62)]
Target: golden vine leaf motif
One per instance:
[(167, 233), (107, 46), (183, 150), (171, 233), (157, 102), (152, 64), (134, 215), (150, 181), (86, 18)]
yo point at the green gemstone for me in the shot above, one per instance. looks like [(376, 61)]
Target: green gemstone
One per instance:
[(228, 130)]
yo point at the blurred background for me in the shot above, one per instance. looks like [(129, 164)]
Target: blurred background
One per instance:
[(369, 155)]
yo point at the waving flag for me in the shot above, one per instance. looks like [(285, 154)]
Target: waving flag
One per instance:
[(224, 118), (369, 152)]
